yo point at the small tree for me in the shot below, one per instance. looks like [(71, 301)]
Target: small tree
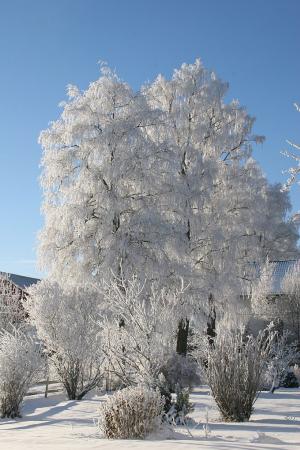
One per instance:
[(289, 304), (235, 365), (263, 303), (293, 171), (282, 354), (66, 320), (20, 361)]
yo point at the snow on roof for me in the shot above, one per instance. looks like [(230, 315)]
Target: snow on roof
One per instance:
[(280, 269), (22, 281)]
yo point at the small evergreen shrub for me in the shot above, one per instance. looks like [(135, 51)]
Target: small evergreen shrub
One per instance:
[(289, 380), (180, 407), (182, 371), (131, 413)]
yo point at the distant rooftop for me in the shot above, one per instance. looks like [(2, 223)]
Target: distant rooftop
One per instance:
[(22, 281), (280, 269)]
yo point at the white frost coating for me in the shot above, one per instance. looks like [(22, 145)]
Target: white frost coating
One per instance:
[(20, 361), (283, 353), (66, 320), (289, 304), (293, 171), (139, 330), (131, 413), (160, 182)]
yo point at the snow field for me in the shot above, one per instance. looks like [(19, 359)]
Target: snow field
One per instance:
[(55, 423)]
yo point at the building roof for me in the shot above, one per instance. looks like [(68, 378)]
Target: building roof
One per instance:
[(280, 269), (22, 281)]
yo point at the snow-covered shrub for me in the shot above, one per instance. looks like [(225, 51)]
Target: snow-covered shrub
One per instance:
[(131, 413), (289, 380), (235, 365), (296, 371), (181, 371), (138, 331), (283, 354), (263, 303), (20, 361), (180, 407), (289, 304), (66, 320)]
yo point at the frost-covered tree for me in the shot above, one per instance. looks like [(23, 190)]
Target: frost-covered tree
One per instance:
[(283, 353), (159, 182), (20, 361), (66, 321), (293, 171), (99, 182), (282, 307), (263, 301), (121, 171), (280, 240), (289, 304)]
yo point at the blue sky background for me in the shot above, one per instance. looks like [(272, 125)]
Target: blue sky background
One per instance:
[(44, 45)]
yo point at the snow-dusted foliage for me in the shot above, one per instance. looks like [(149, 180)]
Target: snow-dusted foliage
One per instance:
[(20, 361), (11, 308), (283, 354), (179, 409), (66, 320), (131, 413), (181, 372), (160, 182), (138, 330), (235, 366), (279, 240), (293, 171), (289, 304), (263, 302), (281, 306)]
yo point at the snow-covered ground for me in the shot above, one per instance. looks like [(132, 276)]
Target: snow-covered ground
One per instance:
[(55, 423)]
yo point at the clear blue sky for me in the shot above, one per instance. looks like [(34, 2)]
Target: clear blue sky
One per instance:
[(44, 45)]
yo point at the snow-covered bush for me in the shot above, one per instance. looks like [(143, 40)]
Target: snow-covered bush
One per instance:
[(181, 371), (20, 361), (180, 407), (263, 303), (66, 320), (138, 330), (283, 354), (289, 380), (131, 413), (296, 371), (289, 304), (235, 365)]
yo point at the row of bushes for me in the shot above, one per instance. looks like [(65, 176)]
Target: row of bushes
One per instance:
[(235, 366)]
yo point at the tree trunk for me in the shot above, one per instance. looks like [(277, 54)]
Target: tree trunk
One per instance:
[(182, 337), (275, 385), (211, 321)]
